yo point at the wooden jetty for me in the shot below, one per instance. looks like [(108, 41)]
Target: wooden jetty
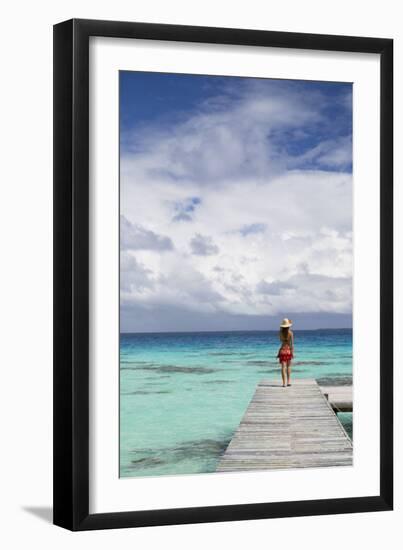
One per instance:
[(339, 397), (283, 428)]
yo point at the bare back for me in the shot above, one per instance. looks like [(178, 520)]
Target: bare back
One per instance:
[(286, 337)]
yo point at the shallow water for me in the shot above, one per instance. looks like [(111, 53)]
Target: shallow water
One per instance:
[(182, 395)]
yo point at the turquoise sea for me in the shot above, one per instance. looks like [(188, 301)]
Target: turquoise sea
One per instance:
[(182, 395)]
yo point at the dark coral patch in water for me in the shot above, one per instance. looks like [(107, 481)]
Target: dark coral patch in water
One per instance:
[(311, 363), (145, 392), (185, 370), (188, 450), (147, 462), (136, 365), (217, 381), (335, 380), (170, 368), (261, 363)]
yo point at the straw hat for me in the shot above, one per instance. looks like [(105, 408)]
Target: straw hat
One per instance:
[(286, 323)]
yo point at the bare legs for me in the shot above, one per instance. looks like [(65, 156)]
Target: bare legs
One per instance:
[(286, 373), (289, 373), (283, 372)]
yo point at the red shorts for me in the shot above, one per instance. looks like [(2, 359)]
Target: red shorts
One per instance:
[(285, 354)]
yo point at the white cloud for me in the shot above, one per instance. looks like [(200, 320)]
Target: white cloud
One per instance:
[(134, 277), (246, 235), (183, 287), (252, 228), (136, 237), (276, 288), (332, 153), (203, 245), (231, 141)]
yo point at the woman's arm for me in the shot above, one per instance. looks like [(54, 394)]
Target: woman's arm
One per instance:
[(279, 337)]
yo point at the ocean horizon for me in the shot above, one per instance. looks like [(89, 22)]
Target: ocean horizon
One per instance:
[(122, 333), (183, 394)]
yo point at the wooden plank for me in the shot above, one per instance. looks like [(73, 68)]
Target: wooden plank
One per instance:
[(340, 397), (283, 428)]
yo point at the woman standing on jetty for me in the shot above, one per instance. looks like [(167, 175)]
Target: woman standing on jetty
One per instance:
[(286, 351)]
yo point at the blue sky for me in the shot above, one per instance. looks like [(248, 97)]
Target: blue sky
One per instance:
[(235, 202)]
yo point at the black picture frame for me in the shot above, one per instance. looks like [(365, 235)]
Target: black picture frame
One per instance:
[(72, 285)]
